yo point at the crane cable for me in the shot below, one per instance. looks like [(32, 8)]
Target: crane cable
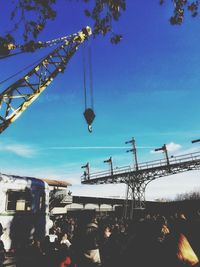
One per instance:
[(91, 77), (11, 55), (22, 70), (84, 77), (88, 113)]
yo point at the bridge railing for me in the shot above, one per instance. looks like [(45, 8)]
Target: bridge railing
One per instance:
[(186, 157), (173, 160), (152, 164), (102, 174), (191, 157)]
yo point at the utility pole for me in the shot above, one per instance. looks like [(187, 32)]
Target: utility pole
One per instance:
[(135, 161), (87, 171), (111, 164)]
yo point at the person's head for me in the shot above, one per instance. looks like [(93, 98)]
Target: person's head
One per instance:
[(107, 232), (182, 216), (64, 237), (36, 243), (92, 223)]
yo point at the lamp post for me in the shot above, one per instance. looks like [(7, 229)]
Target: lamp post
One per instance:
[(135, 161)]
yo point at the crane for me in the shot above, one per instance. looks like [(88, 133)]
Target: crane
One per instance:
[(7, 46), (15, 99)]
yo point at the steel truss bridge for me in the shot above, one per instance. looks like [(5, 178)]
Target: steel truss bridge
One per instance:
[(138, 178)]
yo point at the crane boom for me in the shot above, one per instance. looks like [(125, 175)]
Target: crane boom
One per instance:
[(18, 96), (6, 46)]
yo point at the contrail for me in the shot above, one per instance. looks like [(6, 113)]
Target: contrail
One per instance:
[(95, 147)]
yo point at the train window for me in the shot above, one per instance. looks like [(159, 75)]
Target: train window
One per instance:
[(19, 200)]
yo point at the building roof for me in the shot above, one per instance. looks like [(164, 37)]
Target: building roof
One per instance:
[(56, 182)]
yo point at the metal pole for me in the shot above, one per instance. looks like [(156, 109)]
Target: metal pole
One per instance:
[(135, 161), (135, 154), (111, 164), (195, 141), (87, 171), (164, 149), (166, 154)]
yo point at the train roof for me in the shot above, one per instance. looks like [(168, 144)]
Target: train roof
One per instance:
[(19, 179), (56, 182), (59, 183)]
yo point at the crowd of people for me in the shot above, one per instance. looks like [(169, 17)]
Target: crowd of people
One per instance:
[(108, 241)]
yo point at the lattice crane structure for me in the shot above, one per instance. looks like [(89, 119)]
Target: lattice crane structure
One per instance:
[(138, 178), (17, 97)]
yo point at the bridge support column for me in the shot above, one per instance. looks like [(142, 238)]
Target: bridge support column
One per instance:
[(135, 197)]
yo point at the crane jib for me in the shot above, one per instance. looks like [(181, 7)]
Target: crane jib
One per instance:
[(17, 97), (6, 46)]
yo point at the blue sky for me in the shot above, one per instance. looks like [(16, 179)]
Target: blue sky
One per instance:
[(146, 87)]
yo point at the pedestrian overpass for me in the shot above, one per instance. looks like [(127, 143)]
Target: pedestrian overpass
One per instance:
[(138, 178)]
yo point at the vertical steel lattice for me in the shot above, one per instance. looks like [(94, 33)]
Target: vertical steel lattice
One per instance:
[(135, 196)]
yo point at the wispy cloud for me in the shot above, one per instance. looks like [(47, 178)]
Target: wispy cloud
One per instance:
[(172, 147), (21, 150)]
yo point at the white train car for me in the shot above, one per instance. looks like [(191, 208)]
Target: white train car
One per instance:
[(24, 210)]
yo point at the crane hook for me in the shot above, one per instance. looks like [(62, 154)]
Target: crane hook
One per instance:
[(89, 117), (90, 128)]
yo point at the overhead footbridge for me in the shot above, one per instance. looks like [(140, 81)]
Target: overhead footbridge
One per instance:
[(139, 177)]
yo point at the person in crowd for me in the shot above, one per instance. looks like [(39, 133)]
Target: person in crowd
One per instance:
[(86, 245), (64, 256), (35, 253), (107, 241), (65, 240), (2, 249)]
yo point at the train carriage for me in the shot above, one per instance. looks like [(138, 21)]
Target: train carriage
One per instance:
[(24, 210)]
